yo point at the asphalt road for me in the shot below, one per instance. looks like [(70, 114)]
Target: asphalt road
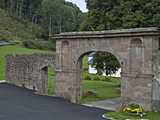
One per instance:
[(21, 104)]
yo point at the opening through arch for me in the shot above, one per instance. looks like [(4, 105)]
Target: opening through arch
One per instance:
[(99, 77)]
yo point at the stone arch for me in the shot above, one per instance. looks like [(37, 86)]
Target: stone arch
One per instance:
[(47, 65), (44, 77), (79, 70), (113, 52), (133, 48)]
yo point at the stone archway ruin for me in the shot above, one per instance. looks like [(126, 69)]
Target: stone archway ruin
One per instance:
[(138, 51), (135, 50)]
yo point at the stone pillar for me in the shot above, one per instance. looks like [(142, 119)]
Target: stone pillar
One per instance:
[(66, 72), (66, 85), (137, 88)]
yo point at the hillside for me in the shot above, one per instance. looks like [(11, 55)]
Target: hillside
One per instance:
[(12, 29)]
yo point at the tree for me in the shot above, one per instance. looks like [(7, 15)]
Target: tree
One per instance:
[(115, 14), (105, 62), (60, 16), (100, 16)]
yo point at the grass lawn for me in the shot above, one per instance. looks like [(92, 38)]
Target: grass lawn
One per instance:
[(14, 49), (125, 116), (103, 89)]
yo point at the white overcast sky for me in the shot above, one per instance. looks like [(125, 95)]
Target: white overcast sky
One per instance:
[(80, 3)]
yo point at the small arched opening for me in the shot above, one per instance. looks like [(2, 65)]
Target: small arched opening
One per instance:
[(48, 80), (136, 55)]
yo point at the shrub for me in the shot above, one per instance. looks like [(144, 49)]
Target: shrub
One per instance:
[(134, 108), (35, 44), (87, 77), (28, 44), (96, 77), (106, 78)]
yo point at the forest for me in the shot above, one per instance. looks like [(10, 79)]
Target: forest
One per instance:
[(118, 14), (55, 16)]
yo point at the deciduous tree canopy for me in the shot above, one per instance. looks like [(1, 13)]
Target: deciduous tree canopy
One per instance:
[(106, 63), (115, 14)]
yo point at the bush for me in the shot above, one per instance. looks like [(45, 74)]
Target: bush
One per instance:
[(105, 78), (87, 77), (134, 108), (96, 77), (42, 45)]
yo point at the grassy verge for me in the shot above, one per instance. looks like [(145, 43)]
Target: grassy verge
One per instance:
[(51, 81), (125, 116), (14, 49)]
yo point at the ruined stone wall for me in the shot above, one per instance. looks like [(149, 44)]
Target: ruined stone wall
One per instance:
[(29, 71)]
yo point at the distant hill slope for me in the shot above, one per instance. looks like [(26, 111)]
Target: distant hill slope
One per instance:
[(12, 29)]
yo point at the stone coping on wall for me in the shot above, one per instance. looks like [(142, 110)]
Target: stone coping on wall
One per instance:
[(34, 54), (110, 33)]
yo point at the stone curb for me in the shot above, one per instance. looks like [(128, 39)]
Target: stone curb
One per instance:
[(106, 117), (96, 106)]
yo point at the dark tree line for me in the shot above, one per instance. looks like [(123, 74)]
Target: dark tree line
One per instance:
[(21, 8), (115, 14)]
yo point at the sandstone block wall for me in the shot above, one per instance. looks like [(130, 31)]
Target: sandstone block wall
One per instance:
[(29, 71)]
